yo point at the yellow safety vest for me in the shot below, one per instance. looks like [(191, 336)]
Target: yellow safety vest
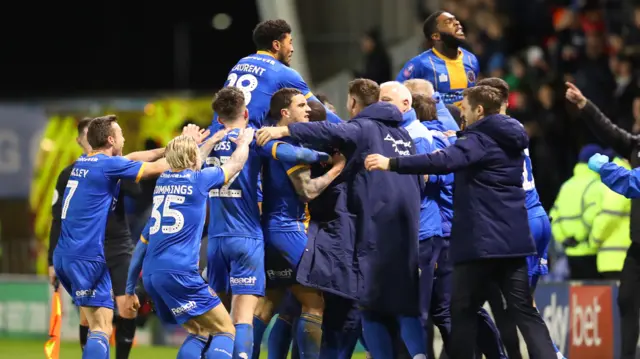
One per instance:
[(577, 204), (611, 228)]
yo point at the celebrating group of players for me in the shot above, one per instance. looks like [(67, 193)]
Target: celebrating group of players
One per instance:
[(267, 194)]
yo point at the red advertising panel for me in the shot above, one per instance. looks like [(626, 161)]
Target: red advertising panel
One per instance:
[(591, 326)]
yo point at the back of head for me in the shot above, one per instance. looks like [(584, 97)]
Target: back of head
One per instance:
[(498, 84), (182, 153), (366, 92), (269, 31), (489, 98), (419, 86), (425, 107), (318, 111), (99, 130), (229, 104), (281, 100)]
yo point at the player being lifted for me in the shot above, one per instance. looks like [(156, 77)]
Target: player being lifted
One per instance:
[(235, 253), (260, 75), (78, 259), (449, 67), (286, 189), (168, 250)]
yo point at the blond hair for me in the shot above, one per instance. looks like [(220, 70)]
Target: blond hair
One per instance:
[(420, 86), (182, 153)]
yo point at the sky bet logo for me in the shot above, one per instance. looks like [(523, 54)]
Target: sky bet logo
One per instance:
[(243, 280)]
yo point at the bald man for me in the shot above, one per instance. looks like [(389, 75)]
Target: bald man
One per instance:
[(445, 113)]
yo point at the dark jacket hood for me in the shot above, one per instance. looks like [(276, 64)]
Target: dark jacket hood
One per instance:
[(381, 111), (506, 131)]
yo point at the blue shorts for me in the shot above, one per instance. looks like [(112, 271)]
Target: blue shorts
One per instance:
[(236, 265), (541, 232), (291, 244), (178, 297), (87, 282)]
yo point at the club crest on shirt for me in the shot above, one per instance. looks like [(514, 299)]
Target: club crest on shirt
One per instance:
[(408, 70), (471, 76)]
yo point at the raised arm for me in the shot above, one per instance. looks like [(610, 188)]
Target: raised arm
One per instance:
[(240, 155), (615, 137), (289, 153), (146, 156), (308, 188)]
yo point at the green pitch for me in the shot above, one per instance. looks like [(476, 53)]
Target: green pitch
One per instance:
[(33, 349)]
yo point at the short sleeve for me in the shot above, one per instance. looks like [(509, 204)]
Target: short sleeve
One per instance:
[(211, 177), (119, 167), (294, 80), (291, 167), (411, 70)]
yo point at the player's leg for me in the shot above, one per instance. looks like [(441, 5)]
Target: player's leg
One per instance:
[(247, 281), (83, 329), (541, 232), (125, 319), (191, 300), (309, 325), (91, 287), (280, 337)]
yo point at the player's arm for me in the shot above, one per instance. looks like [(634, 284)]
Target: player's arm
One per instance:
[(308, 188), (621, 180), (207, 146), (439, 180), (135, 267), (467, 151), (411, 70), (216, 177), (146, 156), (287, 152)]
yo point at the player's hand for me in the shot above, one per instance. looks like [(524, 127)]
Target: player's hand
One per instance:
[(338, 160), (376, 162), (194, 131), (597, 161), (52, 276), (267, 134), (218, 136), (244, 137), (132, 303), (450, 133), (575, 96)]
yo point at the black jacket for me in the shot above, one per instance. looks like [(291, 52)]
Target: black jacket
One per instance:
[(624, 143)]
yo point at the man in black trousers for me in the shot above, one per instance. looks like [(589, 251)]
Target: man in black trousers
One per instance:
[(490, 237)]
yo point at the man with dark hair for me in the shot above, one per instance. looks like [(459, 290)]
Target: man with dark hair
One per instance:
[(540, 228), (379, 273), (79, 255), (448, 66), (236, 244), (490, 239), (424, 106), (260, 75), (118, 248)]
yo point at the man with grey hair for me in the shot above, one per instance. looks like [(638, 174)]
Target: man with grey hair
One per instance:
[(449, 115)]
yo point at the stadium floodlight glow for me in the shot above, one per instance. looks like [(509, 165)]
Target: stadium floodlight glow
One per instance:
[(221, 21)]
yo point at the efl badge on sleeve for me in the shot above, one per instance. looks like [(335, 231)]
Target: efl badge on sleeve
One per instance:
[(408, 70)]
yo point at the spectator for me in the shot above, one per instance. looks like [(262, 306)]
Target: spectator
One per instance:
[(377, 63)]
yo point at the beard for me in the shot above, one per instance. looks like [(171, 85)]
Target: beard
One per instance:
[(283, 58), (451, 41)]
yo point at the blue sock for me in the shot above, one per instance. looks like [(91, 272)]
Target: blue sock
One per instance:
[(243, 345), (376, 334), (309, 335), (279, 339), (192, 347), (97, 346), (221, 346), (258, 332), (413, 337)]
